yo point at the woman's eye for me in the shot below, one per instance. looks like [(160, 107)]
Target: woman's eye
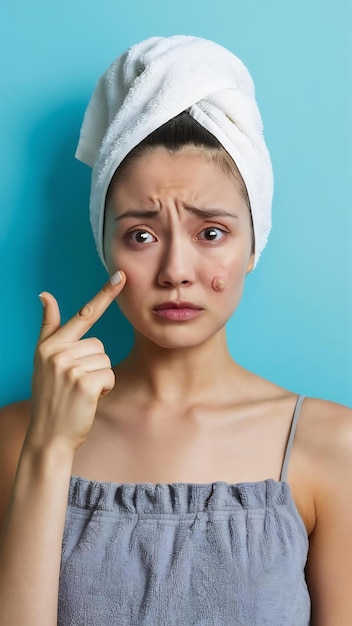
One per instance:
[(211, 234), (140, 236)]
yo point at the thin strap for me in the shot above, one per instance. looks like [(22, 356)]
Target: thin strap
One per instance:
[(291, 437)]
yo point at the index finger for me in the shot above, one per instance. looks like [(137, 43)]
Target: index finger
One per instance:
[(86, 317)]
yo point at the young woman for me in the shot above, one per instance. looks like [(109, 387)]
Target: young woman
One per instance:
[(176, 487)]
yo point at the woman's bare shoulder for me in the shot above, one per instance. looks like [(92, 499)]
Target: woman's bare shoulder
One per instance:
[(325, 434), (328, 427), (14, 421), (322, 454), (14, 418), (324, 441)]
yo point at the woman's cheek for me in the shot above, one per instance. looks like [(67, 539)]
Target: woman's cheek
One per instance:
[(228, 278), (136, 288), (119, 260)]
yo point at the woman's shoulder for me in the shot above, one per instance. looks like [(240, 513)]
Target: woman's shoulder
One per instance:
[(14, 421), (320, 460), (324, 462), (326, 423), (323, 440), (321, 465), (327, 429)]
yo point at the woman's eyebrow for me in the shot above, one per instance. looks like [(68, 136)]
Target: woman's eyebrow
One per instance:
[(138, 213), (207, 213), (204, 213)]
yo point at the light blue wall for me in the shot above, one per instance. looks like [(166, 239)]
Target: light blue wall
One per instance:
[(294, 324)]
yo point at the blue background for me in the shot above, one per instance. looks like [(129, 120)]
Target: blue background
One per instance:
[(294, 323)]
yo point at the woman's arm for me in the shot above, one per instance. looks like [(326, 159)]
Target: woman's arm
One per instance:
[(329, 566), (31, 535), (70, 375)]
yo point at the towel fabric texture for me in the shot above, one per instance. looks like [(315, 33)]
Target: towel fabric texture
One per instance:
[(154, 81), (183, 554)]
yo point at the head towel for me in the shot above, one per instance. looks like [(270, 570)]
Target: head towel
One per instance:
[(154, 81)]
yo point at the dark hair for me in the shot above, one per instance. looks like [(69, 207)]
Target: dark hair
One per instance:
[(179, 132)]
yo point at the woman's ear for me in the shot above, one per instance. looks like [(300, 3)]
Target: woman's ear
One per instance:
[(250, 263)]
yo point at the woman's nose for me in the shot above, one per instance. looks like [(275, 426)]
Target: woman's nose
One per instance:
[(176, 265)]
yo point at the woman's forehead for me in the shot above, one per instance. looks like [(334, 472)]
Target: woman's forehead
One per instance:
[(186, 174)]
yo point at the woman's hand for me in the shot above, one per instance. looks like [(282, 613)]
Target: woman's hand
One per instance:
[(69, 377), (70, 373)]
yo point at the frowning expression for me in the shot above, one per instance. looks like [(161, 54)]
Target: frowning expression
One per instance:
[(177, 225)]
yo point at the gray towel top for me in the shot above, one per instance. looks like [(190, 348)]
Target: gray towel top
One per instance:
[(183, 554)]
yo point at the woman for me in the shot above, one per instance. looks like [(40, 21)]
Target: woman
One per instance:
[(198, 493)]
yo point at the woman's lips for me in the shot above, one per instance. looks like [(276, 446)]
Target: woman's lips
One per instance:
[(177, 311)]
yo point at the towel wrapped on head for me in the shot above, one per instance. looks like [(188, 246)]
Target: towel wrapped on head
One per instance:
[(153, 82)]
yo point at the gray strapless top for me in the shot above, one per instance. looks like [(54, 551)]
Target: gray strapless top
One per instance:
[(183, 554)]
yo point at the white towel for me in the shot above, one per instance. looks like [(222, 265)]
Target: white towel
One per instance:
[(156, 80)]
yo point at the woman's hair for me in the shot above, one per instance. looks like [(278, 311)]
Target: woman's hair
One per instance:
[(179, 132)]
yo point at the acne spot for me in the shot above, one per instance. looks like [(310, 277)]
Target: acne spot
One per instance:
[(218, 283)]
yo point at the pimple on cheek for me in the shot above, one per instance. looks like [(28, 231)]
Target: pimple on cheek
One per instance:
[(218, 283)]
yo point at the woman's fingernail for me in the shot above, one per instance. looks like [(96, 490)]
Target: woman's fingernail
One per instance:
[(116, 278), (42, 300)]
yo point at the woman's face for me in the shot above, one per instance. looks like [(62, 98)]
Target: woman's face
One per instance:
[(181, 231)]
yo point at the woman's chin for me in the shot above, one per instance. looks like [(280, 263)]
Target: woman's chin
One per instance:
[(178, 338)]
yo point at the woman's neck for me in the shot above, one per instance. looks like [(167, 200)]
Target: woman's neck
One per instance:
[(172, 375)]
